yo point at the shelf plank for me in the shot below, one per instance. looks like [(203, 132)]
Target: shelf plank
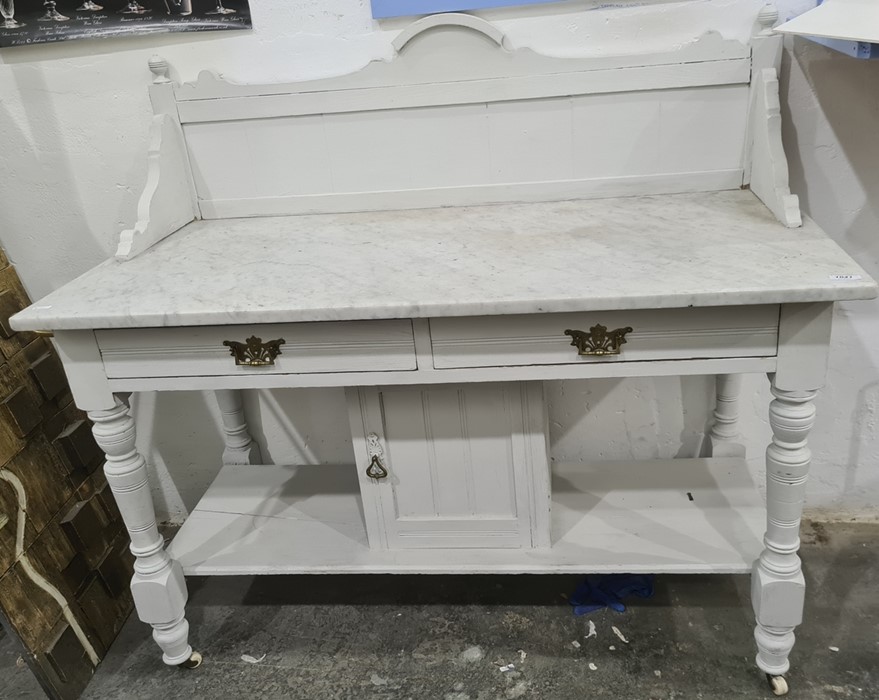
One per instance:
[(662, 516)]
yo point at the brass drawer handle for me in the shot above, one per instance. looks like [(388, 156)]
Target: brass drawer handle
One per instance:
[(376, 470), (598, 341), (375, 451), (253, 352)]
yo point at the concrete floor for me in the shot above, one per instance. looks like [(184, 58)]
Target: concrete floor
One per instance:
[(443, 637)]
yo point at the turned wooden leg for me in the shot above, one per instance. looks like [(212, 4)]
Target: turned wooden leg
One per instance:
[(777, 583), (723, 438), (158, 587), (240, 447)]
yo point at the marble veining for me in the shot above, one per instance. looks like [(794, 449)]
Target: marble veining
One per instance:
[(701, 249)]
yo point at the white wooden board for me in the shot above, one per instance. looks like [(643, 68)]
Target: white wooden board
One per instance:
[(606, 517), (460, 154), (586, 370), (456, 118), (452, 54), (855, 20)]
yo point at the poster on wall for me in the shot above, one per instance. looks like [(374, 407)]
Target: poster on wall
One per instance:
[(400, 8), (25, 22)]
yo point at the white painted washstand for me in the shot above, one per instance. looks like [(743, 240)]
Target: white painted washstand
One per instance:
[(440, 234)]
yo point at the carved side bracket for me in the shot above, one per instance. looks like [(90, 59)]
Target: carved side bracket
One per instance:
[(769, 171), (166, 202)]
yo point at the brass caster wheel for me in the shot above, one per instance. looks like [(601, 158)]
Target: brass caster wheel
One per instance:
[(194, 661), (778, 684)]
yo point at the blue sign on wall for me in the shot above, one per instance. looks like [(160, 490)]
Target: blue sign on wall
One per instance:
[(398, 8)]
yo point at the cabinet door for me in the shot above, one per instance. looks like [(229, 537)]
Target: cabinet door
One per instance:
[(466, 465)]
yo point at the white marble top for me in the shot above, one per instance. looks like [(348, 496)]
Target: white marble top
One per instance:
[(705, 249)]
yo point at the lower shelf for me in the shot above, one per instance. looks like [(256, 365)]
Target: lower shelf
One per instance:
[(683, 515)]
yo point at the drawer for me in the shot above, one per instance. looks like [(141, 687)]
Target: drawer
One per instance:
[(663, 334), (349, 346)]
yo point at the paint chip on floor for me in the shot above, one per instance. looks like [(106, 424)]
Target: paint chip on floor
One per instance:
[(472, 654), (592, 631), (833, 649), (248, 659), (592, 666), (616, 631), (508, 668), (657, 673), (575, 644)]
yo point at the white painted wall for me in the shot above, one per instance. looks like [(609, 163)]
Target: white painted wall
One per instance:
[(73, 127), (831, 113)]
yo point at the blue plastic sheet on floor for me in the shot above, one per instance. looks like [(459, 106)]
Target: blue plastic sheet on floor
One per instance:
[(608, 591)]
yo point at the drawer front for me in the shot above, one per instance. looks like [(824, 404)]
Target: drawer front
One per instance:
[(663, 334), (349, 346)]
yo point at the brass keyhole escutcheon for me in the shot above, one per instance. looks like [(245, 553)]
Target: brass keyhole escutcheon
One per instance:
[(376, 470)]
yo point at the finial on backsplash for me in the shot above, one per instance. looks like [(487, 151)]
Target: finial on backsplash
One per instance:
[(159, 67), (766, 18)]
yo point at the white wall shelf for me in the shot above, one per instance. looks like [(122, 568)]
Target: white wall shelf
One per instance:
[(848, 26)]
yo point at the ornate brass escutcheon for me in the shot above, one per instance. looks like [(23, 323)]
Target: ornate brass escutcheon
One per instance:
[(253, 352), (599, 341), (376, 470)]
